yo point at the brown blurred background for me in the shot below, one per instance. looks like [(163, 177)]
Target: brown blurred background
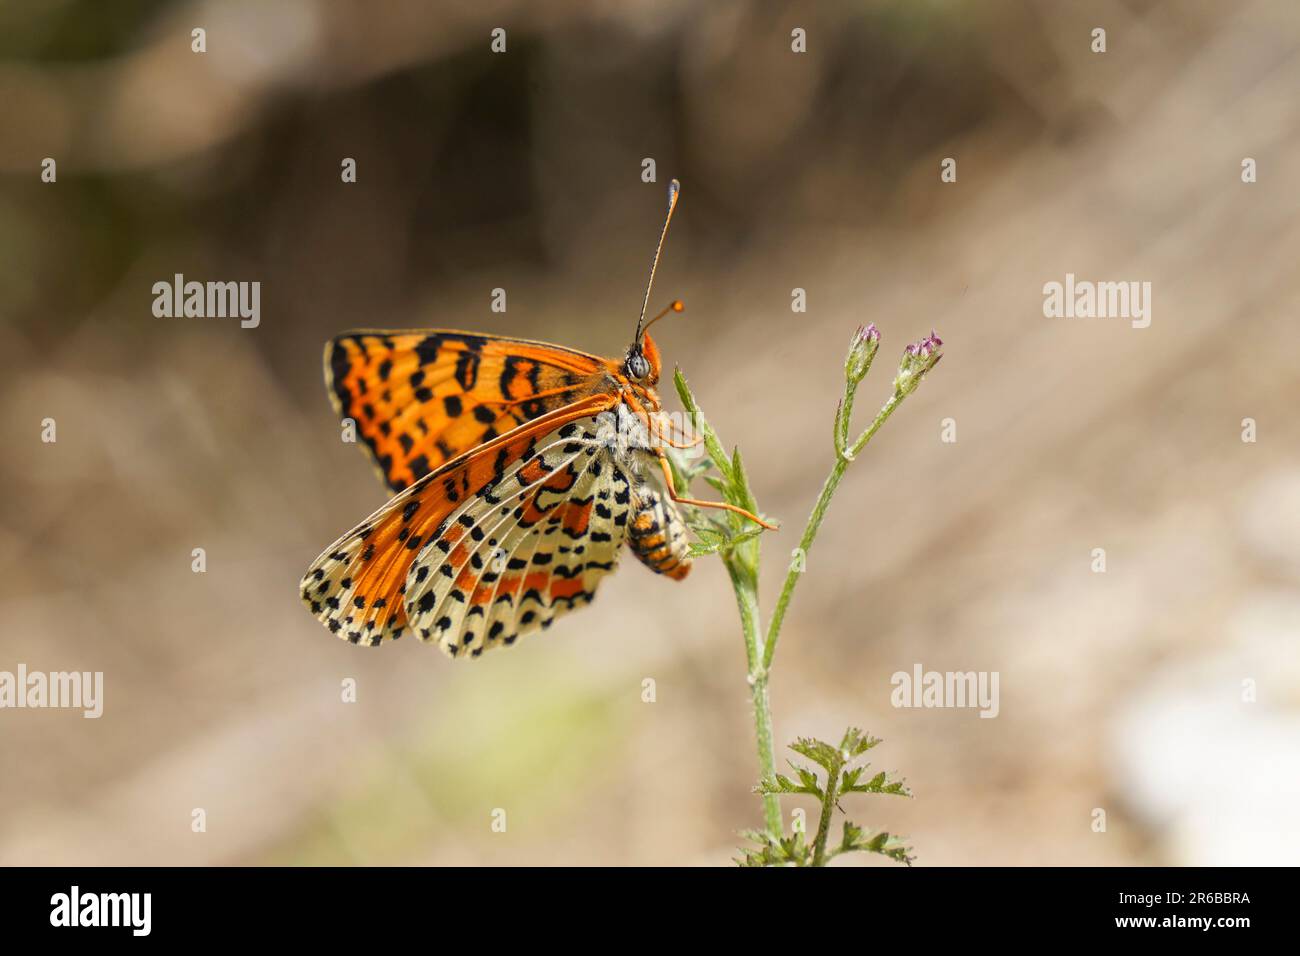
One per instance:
[(1120, 691)]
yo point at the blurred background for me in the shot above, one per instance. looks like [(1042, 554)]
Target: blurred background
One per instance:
[(1120, 691)]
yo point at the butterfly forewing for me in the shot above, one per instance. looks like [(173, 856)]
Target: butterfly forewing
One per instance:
[(357, 586), (419, 399)]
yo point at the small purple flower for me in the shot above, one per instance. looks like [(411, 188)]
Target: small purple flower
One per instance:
[(862, 349), (918, 358)]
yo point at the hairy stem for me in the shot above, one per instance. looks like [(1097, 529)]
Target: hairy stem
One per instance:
[(815, 519), (828, 805), (741, 554), (746, 588)]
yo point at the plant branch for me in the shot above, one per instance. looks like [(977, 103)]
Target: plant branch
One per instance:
[(842, 461), (918, 359), (840, 780), (739, 546), (739, 551), (829, 799), (747, 602)]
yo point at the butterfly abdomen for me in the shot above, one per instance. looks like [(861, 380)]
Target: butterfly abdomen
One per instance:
[(657, 535)]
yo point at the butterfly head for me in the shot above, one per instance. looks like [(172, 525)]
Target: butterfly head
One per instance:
[(641, 366)]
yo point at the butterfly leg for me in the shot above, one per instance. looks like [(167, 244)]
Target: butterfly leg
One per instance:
[(691, 443), (644, 415), (667, 439), (664, 427), (653, 426), (694, 502)]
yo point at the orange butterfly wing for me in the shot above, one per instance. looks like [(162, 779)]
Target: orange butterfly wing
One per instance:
[(535, 547), (420, 399), (357, 585)]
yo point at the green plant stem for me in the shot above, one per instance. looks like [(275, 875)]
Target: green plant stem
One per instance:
[(741, 561), (746, 588), (829, 799), (843, 418), (815, 519)]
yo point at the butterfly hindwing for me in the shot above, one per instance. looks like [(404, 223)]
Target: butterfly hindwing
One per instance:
[(356, 587), (512, 561), (419, 399)]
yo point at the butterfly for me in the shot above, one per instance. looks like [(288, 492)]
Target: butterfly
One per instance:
[(519, 471)]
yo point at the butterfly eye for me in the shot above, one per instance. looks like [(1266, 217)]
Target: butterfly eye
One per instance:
[(637, 366)]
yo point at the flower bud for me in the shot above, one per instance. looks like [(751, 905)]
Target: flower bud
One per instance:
[(862, 349), (918, 358)]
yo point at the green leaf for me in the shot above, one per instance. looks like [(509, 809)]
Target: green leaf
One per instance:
[(880, 783), (681, 474), (711, 443), (809, 781), (852, 836), (796, 850), (856, 743), (747, 535), (780, 783), (710, 540), (770, 851), (819, 752), (740, 483), (685, 470), (856, 840), (777, 783), (717, 484)]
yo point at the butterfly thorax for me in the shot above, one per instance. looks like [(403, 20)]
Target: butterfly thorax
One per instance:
[(657, 534)]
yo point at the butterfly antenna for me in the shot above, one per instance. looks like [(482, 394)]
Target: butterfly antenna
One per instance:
[(677, 305), (674, 190)]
